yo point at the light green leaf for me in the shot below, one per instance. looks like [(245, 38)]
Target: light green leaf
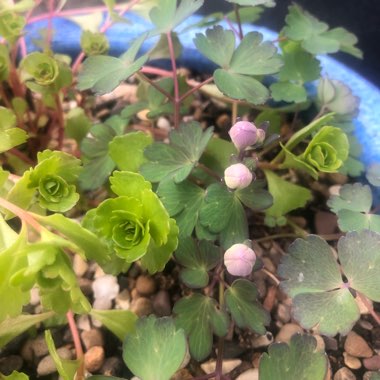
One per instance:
[(200, 317), (77, 124), (15, 376), (177, 159), (373, 174), (286, 196), (12, 327), (245, 310), (10, 135), (120, 322), (161, 49), (288, 92), (197, 258), (300, 359), (156, 349), (240, 87), (66, 368), (127, 151)]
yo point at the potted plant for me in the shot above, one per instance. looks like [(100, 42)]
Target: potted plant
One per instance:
[(202, 218)]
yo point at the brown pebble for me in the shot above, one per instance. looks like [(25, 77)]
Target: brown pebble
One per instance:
[(92, 338), (145, 285), (39, 346), (47, 365), (287, 331), (161, 304), (355, 345), (283, 312), (182, 374), (10, 363), (94, 359), (142, 306), (112, 366), (344, 374), (351, 361), (373, 363)]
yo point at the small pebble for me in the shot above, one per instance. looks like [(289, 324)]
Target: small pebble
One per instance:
[(227, 366), (47, 366), (182, 374), (262, 340), (161, 303), (344, 374), (105, 290), (92, 338), (251, 374), (80, 266), (283, 312), (83, 322), (287, 331), (94, 359), (330, 343), (123, 300), (142, 306), (320, 343), (145, 285), (10, 363), (356, 346), (351, 361), (112, 366), (372, 363), (34, 296), (375, 337), (39, 346), (26, 351)]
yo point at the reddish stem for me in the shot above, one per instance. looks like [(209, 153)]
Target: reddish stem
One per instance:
[(61, 122), (156, 71), (21, 156), (195, 88), (155, 85), (77, 343), (369, 306)]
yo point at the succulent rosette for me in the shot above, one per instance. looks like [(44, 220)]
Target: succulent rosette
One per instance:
[(326, 152), (42, 68), (11, 25), (135, 225), (94, 43)]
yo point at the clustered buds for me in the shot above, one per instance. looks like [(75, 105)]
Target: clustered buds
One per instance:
[(237, 176), (239, 260), (243, 134)]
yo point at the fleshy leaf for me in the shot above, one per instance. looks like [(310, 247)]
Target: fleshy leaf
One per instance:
[(177, 159), (300, 359), (200, 317), (10, 135), (198, 259), (127, 151), (77, 124), (120, 322), (286, 197), (156, 349), (245, 310), (288, 92), (12, 327), (15, 376)]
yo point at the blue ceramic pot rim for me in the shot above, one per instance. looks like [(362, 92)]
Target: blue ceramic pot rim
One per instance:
[(120, 35)]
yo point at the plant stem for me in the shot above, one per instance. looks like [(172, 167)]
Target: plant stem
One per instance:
[(369, 306), (155, 85), (49, 34), (234, 112), (277, 236), (156, 71), (209, 171), (195, 88), (238, 19), (21, 156), (22, 214), (77, 344), (61, 121), (177, 100), (297, 229), (219, 358), (271, 276)]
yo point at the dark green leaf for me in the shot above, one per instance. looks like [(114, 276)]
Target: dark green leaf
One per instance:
[(288, 92), (156, 349), (77, 124), (244, 308), (10, 135)]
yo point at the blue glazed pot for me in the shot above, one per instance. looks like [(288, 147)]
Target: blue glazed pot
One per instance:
[(67, 36)]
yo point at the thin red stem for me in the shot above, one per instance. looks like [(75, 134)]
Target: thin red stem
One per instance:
[(195, 88), (369, 306), (77, 343), (237, 14), (50, 22), (156, 71), (155, 85)]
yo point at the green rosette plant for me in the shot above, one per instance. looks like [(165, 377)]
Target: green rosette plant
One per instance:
[(134, 225), (94, 43), (4, 63), (11, 25)]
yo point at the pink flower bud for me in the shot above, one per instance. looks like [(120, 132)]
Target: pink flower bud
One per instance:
[(243, 134), (239, 260), (237, 176)]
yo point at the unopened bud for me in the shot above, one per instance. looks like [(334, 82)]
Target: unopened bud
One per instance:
[(243, 134), (237, 176), (239, 260)]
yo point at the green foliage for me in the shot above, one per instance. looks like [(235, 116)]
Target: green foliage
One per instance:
[(353, 208), (11, 25), (299, 359), (135, 224), (373, 174), (15, 376), (198, 258), (200, 317), (245, 310), (326, 152), (77, 125), (102, 73), (315, 36), (94, 43), (120, 322), (10, 135), (287, 197), (177, 159), (322, 299), (4, 62), (156, 349), (252, 57)]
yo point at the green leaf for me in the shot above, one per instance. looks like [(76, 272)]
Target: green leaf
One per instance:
[(315, 36), (11, 25), (197, 258), (245, 310), (200, 317), (300, 359), (288, 92), (161, 49), (241, 87), (156, 349), (4, 62), (77, 124), (322, 298), (373, 174), (103, 73), (10, 135), (66, 368), (286, 196), (255, 196), (127, 151), (177, 159), (120, 322), (15, 376), (183, 202), (167, 15), (93, 43), (12, 327)]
